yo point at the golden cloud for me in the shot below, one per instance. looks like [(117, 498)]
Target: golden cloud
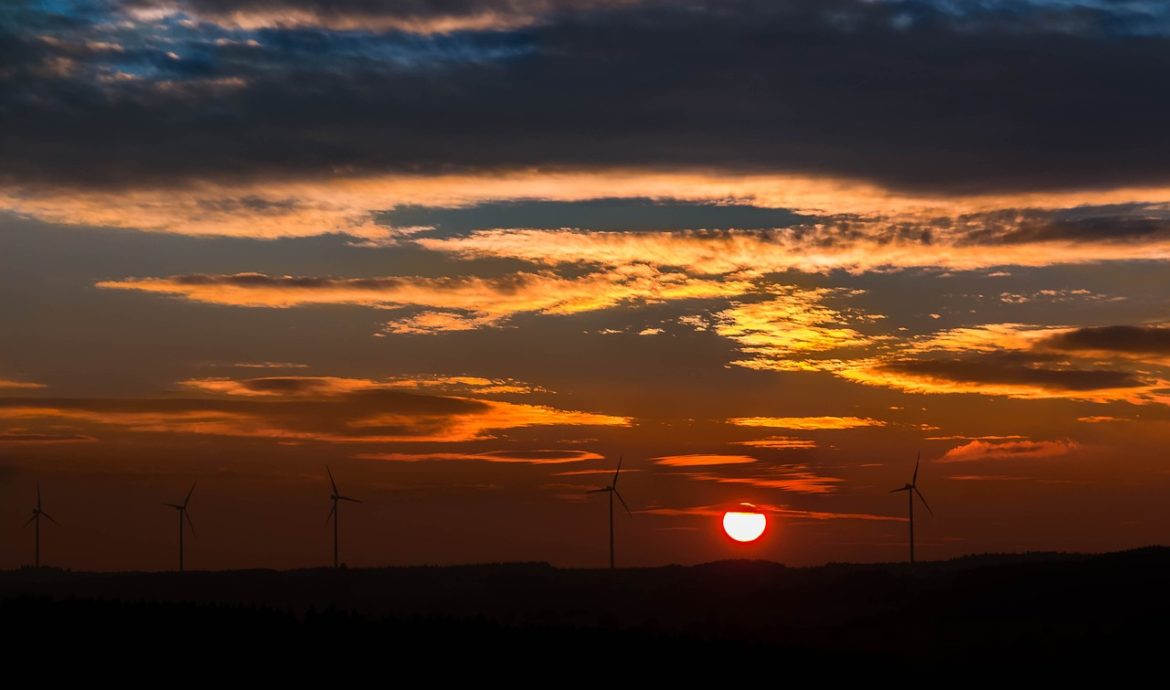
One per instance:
[(779, 443), (468, 302), (701, 459), (806, 423)]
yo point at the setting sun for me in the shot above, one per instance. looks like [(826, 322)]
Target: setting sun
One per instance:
[(744, 525)]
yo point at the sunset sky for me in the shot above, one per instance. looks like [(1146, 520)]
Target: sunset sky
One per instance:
[(469, 252)]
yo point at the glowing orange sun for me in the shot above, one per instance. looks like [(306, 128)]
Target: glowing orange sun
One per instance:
[(746, 525)]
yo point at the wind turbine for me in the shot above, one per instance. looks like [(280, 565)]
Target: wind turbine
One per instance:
[(35, 520), (612, 491), (183, 515), (333, 513), (911, 489)]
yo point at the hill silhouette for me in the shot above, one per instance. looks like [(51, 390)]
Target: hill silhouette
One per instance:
[(981, 611)]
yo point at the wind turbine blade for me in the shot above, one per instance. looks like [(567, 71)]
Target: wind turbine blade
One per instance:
[(618, 471), (189, 523), (916, 463), (30, 520), (176, 506), (38, 495), (50, 518), (331, 512), (331, 482), (347, 498), (619, 497), (598, 491), (904, 488), (188, 499), (923, 499)]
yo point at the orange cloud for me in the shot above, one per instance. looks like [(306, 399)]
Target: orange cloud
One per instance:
[(20, 436), (699, 459), (783, 511), (449, 303), (530, 457), (322, 409), (779, 443), (1008, 359), (349, 204), (794, 479), (1007, 450), (19, 385), (806, 423)]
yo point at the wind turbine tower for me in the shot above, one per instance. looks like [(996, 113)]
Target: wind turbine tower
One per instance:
[(911, 489)]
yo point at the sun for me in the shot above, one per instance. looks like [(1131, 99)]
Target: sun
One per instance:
[(744, 525)]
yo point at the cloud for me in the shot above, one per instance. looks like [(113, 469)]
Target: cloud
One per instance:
[(1007, 450), (467, 302), (1000, 374), (1123, 340), (326, 386), (779, 443), (1053, 295), (21, 437), (806, 423), (866, 234), (700, 460), (795, 322), (782, 511), (791, 478), (529, 457), (411, 16), (19, 385), (1015, 360), (313, 410), (287, 89)]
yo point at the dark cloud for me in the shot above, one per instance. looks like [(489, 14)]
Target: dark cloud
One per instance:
[(1136, 340), (912, 95), (1013, 369), (1134, 222), (323, 409), (19, 437)]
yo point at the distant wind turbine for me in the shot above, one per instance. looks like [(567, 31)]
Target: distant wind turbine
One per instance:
[(911, 489), (183, 516), (612, 491), (35, 520), (333, 513)]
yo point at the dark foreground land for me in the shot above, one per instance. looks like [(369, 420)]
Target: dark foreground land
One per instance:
[(1051, 613)]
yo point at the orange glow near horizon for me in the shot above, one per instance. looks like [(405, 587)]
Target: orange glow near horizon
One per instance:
[(744, 526)]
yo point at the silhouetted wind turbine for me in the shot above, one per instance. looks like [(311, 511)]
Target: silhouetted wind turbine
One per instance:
[(911, 489), (612, 491), (183, 515), (333, 513), (35, 520)]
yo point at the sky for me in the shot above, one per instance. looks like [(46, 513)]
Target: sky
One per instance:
[(469, 253)]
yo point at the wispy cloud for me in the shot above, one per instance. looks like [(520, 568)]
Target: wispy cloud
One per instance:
[(455, 303), (19, 385), (779, 443), (702, 459), (794, 479), (782, 511), (528, 457), (1007, 450), (806, 423)]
